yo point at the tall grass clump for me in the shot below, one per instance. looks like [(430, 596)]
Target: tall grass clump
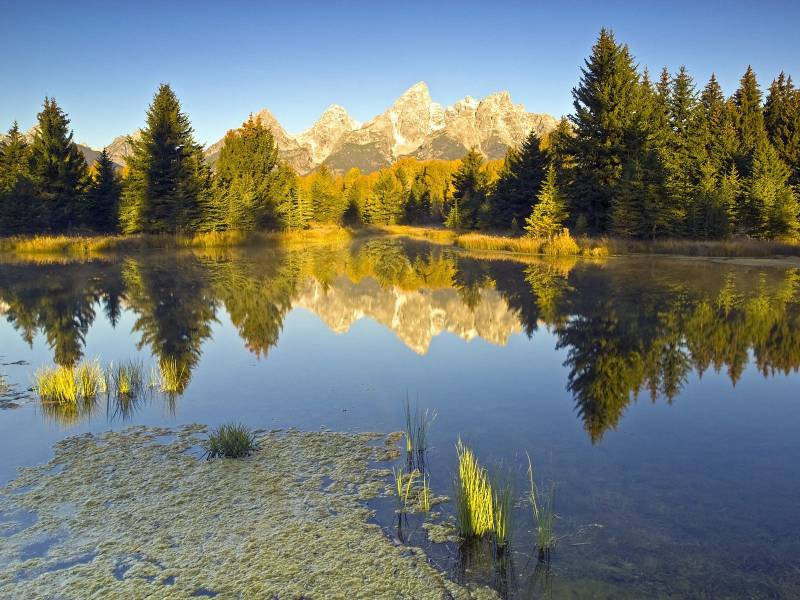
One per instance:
[(68, 385), (127, 378), (418, 424), (56, 384), (90, 379), (503, 499), (561, 244), (232, 440), (543, 515), (169, 377), (474, 498)]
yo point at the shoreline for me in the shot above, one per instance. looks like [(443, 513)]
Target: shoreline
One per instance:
[(89, 246)]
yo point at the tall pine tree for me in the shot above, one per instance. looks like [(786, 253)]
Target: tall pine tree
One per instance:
[(167, 188), (101, 210), (523, 171), (470, 184), (749, 117), (248, 186), (18, 209), (605, 103), (58, 169), (782, 120)]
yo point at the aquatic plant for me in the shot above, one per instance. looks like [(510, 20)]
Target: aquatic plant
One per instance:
[(474, 498), (418, 423), (425, 494), (404, 483), (503, 498), (56, 384), (169, 377), (231, 440), (127, 378), (90, 379), (543, 514)]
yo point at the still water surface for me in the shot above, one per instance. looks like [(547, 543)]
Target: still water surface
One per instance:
[(660, 395)]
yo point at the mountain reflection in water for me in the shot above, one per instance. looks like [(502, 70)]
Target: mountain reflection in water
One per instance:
[(628, 327)]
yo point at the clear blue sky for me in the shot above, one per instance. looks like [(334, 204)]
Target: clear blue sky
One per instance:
[(103, 61)]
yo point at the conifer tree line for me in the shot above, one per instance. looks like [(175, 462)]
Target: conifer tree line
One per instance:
[(638, 157)]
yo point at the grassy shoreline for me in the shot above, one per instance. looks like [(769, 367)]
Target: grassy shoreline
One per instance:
[(98, 245), (604, 246)]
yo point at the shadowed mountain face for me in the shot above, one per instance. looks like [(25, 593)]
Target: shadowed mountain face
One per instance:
[(627, 327)]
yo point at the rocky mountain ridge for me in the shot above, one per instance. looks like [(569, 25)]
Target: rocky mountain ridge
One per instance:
[(414, 126)]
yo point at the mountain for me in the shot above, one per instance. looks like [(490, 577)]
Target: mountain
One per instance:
[(414, 125)]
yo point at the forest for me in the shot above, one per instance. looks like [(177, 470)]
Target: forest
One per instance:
[(639, 157)]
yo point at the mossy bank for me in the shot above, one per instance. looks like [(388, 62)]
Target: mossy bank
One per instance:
[(139, 514)]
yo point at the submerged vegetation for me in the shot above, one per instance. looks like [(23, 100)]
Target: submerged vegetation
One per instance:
[(231, 440), (543, 507), (418, 423)]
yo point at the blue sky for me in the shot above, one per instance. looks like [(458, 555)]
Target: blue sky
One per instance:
[(103, 61)]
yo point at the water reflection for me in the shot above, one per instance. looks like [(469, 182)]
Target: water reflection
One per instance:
[(628, 327)]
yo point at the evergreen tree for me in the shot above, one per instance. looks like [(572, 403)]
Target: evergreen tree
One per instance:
[(103, 196), (749, 120), (326, 197), (167, 188), (717, 125), (469, 190), (249, 185), (58, 169), (684, 153), (385, 203), (772, 207), (605, 103), (522, 175), (641, 206), (782, 120), (418, 205), (550, 211), (18, 209), (293, 207)]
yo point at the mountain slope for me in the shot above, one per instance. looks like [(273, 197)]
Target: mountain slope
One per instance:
[(414, 125)]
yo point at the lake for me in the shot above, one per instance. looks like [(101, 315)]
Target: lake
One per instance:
[(658, 395)]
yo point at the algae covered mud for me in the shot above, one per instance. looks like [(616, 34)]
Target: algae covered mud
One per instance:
[(658, 397), (135, 514)]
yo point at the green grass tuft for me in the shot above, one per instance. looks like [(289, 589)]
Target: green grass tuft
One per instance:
[(474, 499), (68, 385), (231, 440)]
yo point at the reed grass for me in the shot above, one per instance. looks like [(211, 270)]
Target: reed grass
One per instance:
[(231, 440), (56, 385), (425, 494), (169, 376), (543, 514), (503, 499), (474, 498), (404, 483), (127, 378), (418, 424), (90, 379)]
